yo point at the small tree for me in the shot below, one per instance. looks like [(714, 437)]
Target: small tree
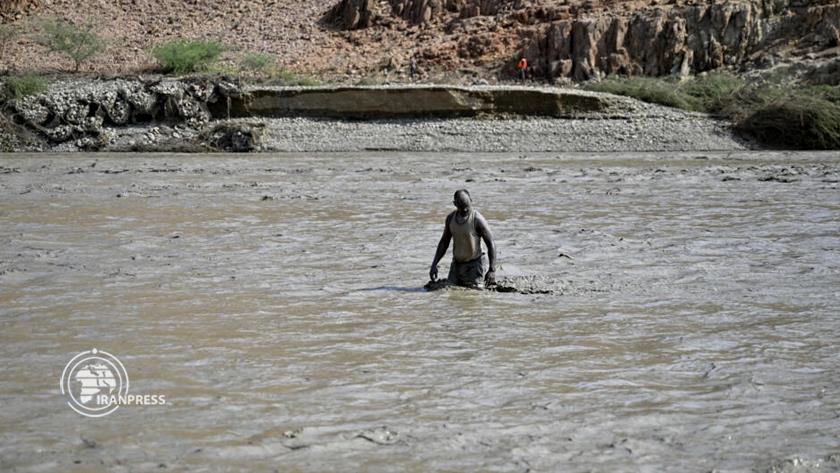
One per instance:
[(256, 62), (79, 43), (184, 55)]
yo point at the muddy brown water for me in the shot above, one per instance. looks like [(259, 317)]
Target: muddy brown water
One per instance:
[(275, 300)]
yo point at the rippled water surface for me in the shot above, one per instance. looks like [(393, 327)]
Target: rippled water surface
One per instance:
[(275, 300)]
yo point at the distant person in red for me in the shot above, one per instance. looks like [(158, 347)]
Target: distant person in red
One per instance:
[(522, 67)]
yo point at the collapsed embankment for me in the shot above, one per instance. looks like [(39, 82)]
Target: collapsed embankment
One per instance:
[(419, 102), (207, 114)]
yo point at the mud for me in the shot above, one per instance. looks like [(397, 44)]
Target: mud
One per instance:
[(517, 284), (689, 321)]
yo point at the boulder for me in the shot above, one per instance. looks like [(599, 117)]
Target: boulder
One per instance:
[(228, 88), (33, 111), (76, 113), (119, 112), (235, 137), (144, 104), (419, 11), (59, 134), (351, 14)]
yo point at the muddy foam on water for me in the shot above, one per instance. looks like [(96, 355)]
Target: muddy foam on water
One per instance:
[(516, 284)]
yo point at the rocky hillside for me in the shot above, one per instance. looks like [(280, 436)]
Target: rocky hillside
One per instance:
[(589, 39), (345, 40)]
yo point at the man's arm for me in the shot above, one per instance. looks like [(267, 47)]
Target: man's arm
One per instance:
[(443, 245), (484, 232)]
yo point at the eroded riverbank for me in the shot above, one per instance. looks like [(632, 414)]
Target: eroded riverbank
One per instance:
[(276, 301), (207, 114)]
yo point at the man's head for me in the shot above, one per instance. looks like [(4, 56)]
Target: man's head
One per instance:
[(462, 200)]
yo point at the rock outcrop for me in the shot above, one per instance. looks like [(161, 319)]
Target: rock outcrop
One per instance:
[(424, 11), (234, 137), (352, 14), (82, 111), (11, 10), (418, 11), (682, 40), (589, 39)]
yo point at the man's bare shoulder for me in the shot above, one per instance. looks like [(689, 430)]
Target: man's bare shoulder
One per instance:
[(481, 224)]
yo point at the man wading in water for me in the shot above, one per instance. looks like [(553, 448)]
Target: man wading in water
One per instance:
[(467, 227)]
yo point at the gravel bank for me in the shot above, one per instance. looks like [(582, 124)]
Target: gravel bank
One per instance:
[(626, 125), (666, 130), (651, 129), (659, 132)]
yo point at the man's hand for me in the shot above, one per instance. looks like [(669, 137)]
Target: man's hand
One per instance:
[(490, 278), (433, 275)]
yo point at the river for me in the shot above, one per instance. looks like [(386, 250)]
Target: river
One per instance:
[(276, 301)]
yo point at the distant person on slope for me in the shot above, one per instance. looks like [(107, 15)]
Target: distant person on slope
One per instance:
[(412, 67), (467, 228)]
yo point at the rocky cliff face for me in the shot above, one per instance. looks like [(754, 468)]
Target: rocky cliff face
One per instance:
[(524, 11), (348, 41), (352, 14), (11, 10), (584, 40), (684, 40)]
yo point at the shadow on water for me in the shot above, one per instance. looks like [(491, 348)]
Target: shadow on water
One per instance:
[(430, 287), (394, 289)]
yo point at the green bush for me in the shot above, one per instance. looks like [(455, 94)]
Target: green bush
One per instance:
[(711, 92), (256, 62), (182, 56), (708, 93), (21, 86), (773, 111), (750, 98), (647, 89), (800, 121), (79, 43), (828, 92)]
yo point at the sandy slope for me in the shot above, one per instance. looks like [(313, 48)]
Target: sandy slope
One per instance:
[(289, 29)]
